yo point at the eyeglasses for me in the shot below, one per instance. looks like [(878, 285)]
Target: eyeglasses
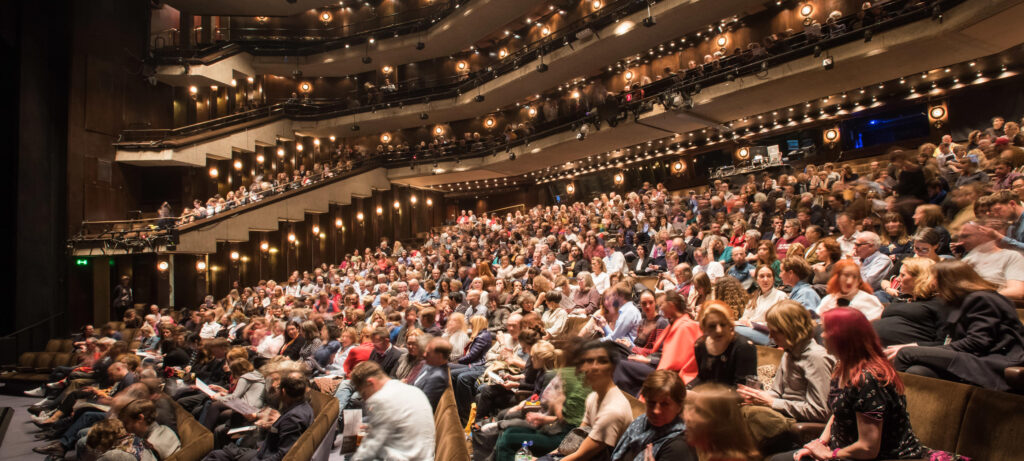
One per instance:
[(861, 244)]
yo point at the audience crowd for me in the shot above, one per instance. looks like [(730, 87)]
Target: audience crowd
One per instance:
[(549, 324)]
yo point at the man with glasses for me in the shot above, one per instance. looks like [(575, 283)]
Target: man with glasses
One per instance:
[(874, 266)]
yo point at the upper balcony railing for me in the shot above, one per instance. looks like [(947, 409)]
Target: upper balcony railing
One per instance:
[(171, 44), (801, 44)]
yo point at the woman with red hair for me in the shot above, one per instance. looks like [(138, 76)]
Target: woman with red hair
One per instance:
[(866, 396), (846, 288)]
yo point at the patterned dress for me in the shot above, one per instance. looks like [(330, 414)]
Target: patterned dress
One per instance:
[(880, 403)]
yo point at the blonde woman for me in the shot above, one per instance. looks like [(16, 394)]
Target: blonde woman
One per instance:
[(455, 333)]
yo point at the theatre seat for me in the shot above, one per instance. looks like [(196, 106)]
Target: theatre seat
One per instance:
[(449, 440), (936, 408), (196, 440), (992, 426), (316, 442)]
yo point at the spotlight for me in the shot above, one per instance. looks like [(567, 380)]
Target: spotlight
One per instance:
[(264, 247), (367, 59), (542, 67), (234, 256), (828, 63), (512, 156), (355, 127), (424, 116), (649, 21), (479, 98), (201, 266), (162, 266), (420, 45)]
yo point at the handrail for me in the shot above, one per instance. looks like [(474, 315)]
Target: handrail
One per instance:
[(421, 16), (36, 324)]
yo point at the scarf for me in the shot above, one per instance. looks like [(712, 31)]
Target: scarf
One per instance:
[(640, 433)]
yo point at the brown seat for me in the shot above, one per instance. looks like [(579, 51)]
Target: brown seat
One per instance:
[(651, 282), (1015, 378), (936, 408), (449, 440), (636, 405), (325, 416), (54, 345), (992, 426), (196, 440)]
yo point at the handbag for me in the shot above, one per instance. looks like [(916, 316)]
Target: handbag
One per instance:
[(572, 441)]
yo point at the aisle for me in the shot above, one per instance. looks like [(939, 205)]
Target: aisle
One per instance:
[(18, 442)]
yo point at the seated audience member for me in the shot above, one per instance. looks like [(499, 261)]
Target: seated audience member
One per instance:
[(985, 335), (848, 289), (874, 266), (399, 418), (673, 350), (544, 421), (722, 355), (384, 353), (480, 339), (296, 416), (246, 384), (619, 317), (801, 384), (1007, 206), (919, 316), (607, 414), (1000, 267), (752, 323), (433, 378), (496, 396), (714, 426), (795, 273), (659, 433), (828, 254), (869, 414)]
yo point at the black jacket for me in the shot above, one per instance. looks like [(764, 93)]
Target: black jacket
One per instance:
[(388, 361), (285, 432), (989, 337)]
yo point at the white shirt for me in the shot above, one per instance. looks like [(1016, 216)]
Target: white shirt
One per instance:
[(209, 330), (714, 270), (270, 346), (601, 282), (762, 305), (997, 266), (615, 262), (401, 425), (863, 301)]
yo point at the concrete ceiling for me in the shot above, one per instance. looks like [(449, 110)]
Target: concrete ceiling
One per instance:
[(920, 47)]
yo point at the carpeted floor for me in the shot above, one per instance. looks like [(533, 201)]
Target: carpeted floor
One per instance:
[(18, 442)]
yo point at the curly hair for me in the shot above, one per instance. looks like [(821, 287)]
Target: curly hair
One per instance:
[(730, 291)]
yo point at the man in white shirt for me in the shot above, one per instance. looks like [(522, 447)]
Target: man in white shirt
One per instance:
[(1003, 268), (714, 269), (847, 238), (401, 423), (615, 261), (211, 327)]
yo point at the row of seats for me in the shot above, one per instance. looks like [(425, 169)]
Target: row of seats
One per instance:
[(954, 417)]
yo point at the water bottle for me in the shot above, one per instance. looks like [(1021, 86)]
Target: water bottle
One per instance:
[(524, 453)]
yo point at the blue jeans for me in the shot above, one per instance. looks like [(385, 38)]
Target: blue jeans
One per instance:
[(758, 337), (345, 395), (83, 421)]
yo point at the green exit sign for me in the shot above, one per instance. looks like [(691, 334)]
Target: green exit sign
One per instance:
[(81, 262)]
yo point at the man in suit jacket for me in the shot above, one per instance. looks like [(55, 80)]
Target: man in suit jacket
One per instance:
[(433, 379), (384, 353)]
